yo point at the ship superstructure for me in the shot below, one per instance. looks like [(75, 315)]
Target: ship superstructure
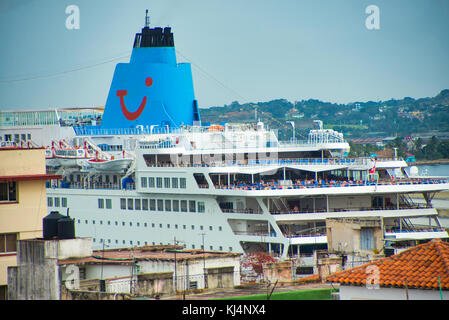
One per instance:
[(151, 172)]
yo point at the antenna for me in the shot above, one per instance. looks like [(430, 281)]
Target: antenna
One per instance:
[(147, 19)]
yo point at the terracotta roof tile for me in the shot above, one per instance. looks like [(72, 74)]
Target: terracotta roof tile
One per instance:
[(420, 266)]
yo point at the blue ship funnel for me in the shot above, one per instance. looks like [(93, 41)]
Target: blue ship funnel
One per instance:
[(152, 89)]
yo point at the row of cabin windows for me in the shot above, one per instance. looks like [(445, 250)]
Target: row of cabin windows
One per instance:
[(131, 242), (18, 137), (162, 205), (104, 203), (8, 191), (57, 202), (159, 182), (153, 225)]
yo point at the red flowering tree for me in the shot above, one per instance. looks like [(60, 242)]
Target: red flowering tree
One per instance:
[(256, 259)]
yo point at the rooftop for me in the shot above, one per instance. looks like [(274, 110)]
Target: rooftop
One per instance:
[(150, 252), (420, 266)]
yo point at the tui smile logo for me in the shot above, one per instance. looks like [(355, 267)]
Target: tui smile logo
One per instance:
[(136, 114)]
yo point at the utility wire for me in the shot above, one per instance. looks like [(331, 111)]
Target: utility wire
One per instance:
[(64, 72), (211, 76)]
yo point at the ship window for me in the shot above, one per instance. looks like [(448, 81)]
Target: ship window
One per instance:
[(176, 205), (210, 228), (143, 182), (130, 204), (64, 202), (23, 137), (57, 202), (193, 227), (151, 182), (176, 226), (50, 201), (160, 226), (160, 205), (182, 183), (167, 205), (123, 203), (101, 221), (138, 224), (184, 226), (109, 223), (230, 248), (108, 204), (193, 246), (166, 182), (174, 182), (101, 203), (183, 205), (144, 204), (123, 223), (145, 224), (192, 206), (29, 136), (201, 207), (152, 204), (137, 204), (220, 228), (130, 224), (211, 248), (201, 227), (116, 223), (159, 182), (152, 225), (86, 221), (168, 226), (220, 248), (93, 221)]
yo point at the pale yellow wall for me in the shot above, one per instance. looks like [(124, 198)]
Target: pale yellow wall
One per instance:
[(5, 262), (24, 217), (22, 161)]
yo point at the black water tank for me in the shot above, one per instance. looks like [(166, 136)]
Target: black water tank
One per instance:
[(50, 224), (66, 228)]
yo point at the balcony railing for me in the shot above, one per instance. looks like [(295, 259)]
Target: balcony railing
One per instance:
[(393, 207), (245, 211), (91, 186), (305, 184)]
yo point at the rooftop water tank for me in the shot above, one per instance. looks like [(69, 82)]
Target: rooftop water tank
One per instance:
[(66, 228), (50, 224)]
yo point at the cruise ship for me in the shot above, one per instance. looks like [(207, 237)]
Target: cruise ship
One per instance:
[(147, 171)]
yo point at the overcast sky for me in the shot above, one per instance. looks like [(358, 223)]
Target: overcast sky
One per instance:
[(240, 50)]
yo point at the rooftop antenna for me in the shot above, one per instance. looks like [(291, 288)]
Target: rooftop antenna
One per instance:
[(147, 19)]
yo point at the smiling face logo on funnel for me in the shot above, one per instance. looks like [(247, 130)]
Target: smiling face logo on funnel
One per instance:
[(136, 114)]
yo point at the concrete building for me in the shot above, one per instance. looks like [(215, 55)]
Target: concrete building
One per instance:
[(160, 269), (23, 201), (418, 273), (60, 269)]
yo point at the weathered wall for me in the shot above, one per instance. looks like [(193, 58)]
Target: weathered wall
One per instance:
[(37, 277), (220, 277), (91, 295), (152, 284), (343, 234), (281, 270)]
